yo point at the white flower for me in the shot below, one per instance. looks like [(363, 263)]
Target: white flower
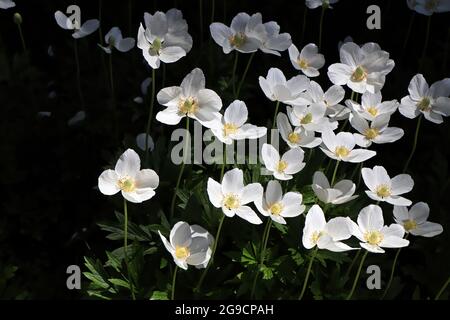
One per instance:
[(189, 245), (362, 68), (432, 102), (346, 39), (86, 29), (299, 137), (376, 132), (414, 220), (282, 169), (373, 234), (309, 61), (383, 188), (114, 39), (240, 36), (6, 4), (278, 206), (311, 117), (341, 147), (136, 185), (329, 99), (313, 4), (140, 141), (233, 127), (232, 196), (428, 7), (144, 90), (325, 235), (189, 99), (80, 116), (276, 88), (165, 37), (372, 107), (341, 192)]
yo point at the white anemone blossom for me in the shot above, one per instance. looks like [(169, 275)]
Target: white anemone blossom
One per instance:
[(165, 37), (326, 235), (330, 99), (377, 131), (313, 4), (371, 106), (277, 88), (414, 220), (144, 90), (140, 141), (88, 27), (232, 196), (297, 137), (383, 188), (136, 185), (190, 99), (282, 168), (373, 234), (433, 102), (341, 192), (278, 206), (341, 147), (311, 117), (428, 7), (362, 68), (232, 125), (114, 39), (6, 4), (308, 60), (189, 245)]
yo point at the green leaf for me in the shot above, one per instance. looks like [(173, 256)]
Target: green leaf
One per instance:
[(120, 283), (267, 272), (296, 256), (113, 261), (248, 257), (163, 263), (159, 295)]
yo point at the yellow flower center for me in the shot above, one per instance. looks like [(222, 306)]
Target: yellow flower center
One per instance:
[(409, 225), (155, 47), (294, 137), (373, 237), (424, 104), (231, 201), (383, 191), (371, 133), (276, 208), (229, 128), (315, 236), (126, 184), (359, 74), (181, 252), (302, 63), (306, 119), (281, 166), (341, 151), (237, 40), (188, 106), (373, 111)]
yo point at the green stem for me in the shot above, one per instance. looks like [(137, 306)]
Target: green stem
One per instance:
[(150, 115), (334, 172), (200, 14), (163, 81), (308, 272), (442, 289), (262, 257), (408, 32), (77, 63), (213, 8), (174, 279), (275, 115), (244, 75), (427, 38), (355, 282), (22, 39), (321, 26), (233, 76), (125, 245), (355, 258), (416, 135), (305, 11), (222, 170), (180, 175)]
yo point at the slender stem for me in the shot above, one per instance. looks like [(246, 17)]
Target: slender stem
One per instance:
[(355, 282), (416, 135), (355, 258), (186, 151), (22, 39), (244, 75), (125, 245), (77, 62), (275, 114), (163, 81), (233, 76), (200, 14), (427, 38), (442, 289), (130, 15), (216, 240), (150, 115), (222, 170), (408, 32), (111, 82), (308, 272), (174, 279), (334, 172), (262, 254), (321, 26), (213, 8), (305, 11)]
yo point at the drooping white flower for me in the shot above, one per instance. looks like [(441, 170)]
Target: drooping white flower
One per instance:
[(165, 37), (309, 60), (276, 88), (377, 131), (372, 107), (326, 235), (311, 117), (82, 31), (414, 220), (144, 90), (341, 192), (136, 185), (140, 141), (232, 196), (362, 68), (282, 168), (330, 99), (433, 102), (297, 137), (373, 234), (114, 39), (383, 188), (6, 4), (428, 7), (341, 147), (190, 99), (278, 206), (313, 4), (232, 125), (189, 245)]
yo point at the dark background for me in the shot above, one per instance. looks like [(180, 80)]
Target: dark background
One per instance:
[(48, 170)]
